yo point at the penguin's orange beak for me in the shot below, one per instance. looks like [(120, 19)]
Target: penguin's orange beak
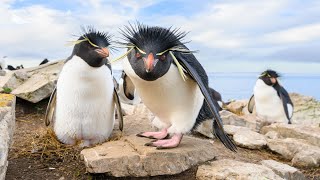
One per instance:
[(273, 80), (149, 62), (103, 52)]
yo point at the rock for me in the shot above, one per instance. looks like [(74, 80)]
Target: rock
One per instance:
[(310, 133), (32, 84), (127, 109), (2, 73), (249, 120), (306, 109), (237, 107), (283, 170), (272, 135), (7, 124), (129, 157), (205, 128), (303, 153), (307, 158), (41, 82), (232, 170), (249, 139), (231, 130)]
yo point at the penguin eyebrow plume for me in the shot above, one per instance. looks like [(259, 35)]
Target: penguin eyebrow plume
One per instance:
[(270, 73), (91, 35)]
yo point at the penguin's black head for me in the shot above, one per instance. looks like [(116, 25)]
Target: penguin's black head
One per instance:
[(269, 77), (150, 57), (92, 47)]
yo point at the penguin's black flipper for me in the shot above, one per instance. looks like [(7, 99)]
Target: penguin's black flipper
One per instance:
[(286, 102), (251, 104), (51, 108), (217, 124), (119, 109)]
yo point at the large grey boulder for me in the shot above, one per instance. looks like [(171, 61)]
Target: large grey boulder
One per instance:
[(233, 170), (298, 150), (283, 170), (310, 133), (7, 124), (32, 84), (249, 139)]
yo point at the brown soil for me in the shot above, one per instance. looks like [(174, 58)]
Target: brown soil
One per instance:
[(35, 154)]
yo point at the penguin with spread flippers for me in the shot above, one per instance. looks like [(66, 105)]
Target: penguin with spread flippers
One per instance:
[(171, 83), (271, 99), (82, 106)]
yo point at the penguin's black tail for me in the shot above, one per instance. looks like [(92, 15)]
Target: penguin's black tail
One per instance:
[(223, 137)]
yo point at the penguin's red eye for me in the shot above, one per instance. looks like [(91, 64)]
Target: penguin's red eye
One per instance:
[(138, 55), (163, 57)]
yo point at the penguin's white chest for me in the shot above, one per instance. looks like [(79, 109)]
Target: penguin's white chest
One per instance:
[(85, 108), (176, 103), (268, 104)]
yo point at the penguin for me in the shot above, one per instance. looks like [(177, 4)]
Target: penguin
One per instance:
[(11, 68), (127, 91), (82, 106), (217, 97), (3, 63), (171, 83), (45, 61), (271, 99)]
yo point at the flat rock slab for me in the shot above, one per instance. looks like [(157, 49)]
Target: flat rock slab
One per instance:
[(310, 133), (7, 124), (299, 151), (234, 170), (129, 157), (283, 170), (249, 139)]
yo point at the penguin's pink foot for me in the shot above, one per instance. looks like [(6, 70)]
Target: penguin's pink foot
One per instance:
[(174, 141), (154, 135)]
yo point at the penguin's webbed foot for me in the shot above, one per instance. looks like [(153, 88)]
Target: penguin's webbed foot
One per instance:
[(173, 142), (154, 135)]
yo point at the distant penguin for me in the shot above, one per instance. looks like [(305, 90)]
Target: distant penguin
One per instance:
[(45, 61), (171, 83), (271, 100), (82, 107), (127, 91), (11, 68)]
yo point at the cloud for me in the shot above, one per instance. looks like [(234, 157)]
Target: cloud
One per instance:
[(235, 31)]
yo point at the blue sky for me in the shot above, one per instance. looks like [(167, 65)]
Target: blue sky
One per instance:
[(231, 36)]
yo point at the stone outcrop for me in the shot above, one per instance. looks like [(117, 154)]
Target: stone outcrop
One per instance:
[(299, 151), (231, 169), (7, 124), (310, 133), (306, 109), (249, 139), (32, 84), (283, 170)]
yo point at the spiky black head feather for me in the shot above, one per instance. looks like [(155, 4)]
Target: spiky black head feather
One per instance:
[(155, 37), (101, 39)]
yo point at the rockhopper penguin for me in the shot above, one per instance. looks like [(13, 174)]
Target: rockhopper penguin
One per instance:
[(171, 83), (82, 106), (272, 101)]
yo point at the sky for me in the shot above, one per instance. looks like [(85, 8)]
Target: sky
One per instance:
[(230, 35)]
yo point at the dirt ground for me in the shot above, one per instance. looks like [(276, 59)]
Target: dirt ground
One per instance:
[(36, 154)]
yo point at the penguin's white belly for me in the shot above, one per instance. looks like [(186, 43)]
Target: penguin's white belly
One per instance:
[(268, 103), (84, 109), (176, 103)]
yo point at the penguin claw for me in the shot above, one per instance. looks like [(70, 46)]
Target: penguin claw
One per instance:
[(154, 135)]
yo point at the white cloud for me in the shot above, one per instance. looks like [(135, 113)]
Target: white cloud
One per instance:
[(298, 34)]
